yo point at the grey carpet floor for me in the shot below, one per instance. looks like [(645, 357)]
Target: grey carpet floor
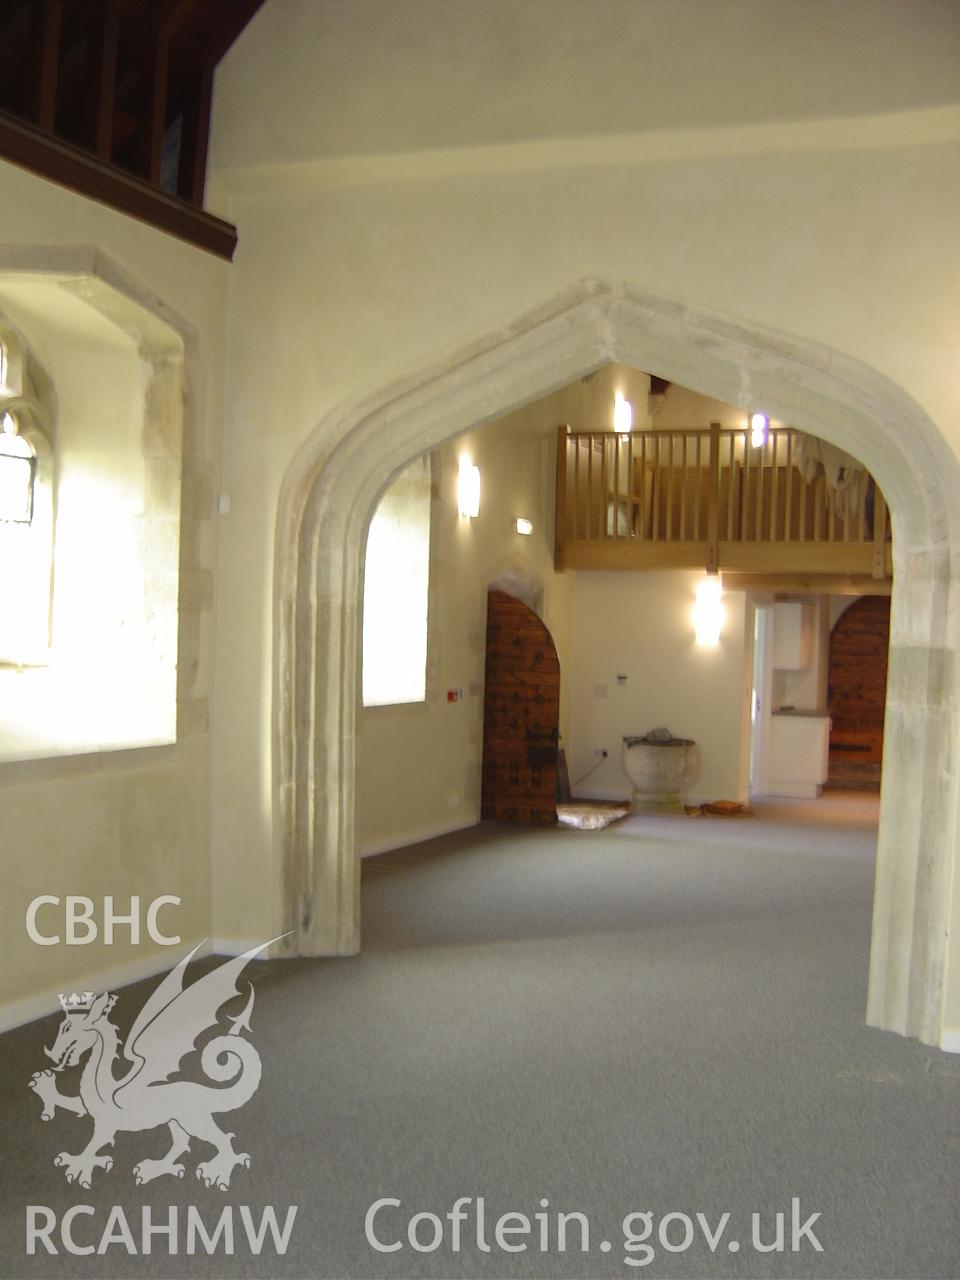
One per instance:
[(666, 1016)]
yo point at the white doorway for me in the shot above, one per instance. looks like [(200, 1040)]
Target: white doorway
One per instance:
[(761, 693)]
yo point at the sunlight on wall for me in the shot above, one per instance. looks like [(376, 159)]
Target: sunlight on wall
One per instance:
[(396, 592), (26, 505), (91, 664), (24, 589), (25, 561)]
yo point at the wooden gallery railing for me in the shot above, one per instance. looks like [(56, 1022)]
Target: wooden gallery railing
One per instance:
[(709, 498)]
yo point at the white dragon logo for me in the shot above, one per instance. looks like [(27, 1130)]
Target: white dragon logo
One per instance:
[(165, 1031)]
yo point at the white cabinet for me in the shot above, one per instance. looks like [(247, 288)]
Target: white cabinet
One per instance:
[(799, 753), (793, 624)]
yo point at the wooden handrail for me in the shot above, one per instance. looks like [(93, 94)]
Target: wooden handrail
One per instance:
[(676, 432), (63, 163)]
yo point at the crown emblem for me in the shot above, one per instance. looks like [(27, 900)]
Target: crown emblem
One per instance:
[(76, 1001)]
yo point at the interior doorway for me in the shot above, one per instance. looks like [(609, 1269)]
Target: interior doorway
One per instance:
[(760, 694), (521, 715), (818, 694), (857, 692)]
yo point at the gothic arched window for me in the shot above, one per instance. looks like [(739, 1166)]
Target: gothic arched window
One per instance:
[(26, 509), (18, 463)]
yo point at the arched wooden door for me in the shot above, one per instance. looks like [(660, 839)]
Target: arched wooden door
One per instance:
[(857, 691), (521, 715)]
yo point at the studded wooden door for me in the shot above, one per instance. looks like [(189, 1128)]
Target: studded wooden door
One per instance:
[(521, 715), (857, 698)]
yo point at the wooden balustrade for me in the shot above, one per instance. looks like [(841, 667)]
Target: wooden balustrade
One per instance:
[(708, 497)]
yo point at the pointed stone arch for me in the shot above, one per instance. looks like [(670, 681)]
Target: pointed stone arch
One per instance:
[(519, 579), (331, 490)]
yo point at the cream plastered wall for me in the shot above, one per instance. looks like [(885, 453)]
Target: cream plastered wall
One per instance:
[(342, 78), (639, 626), (382, 238), (681, 407), (122, 822)]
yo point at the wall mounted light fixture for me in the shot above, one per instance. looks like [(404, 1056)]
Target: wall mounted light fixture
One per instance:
[(622, 413), (522, 525), (759, 424), (468, 489), (708, 611)]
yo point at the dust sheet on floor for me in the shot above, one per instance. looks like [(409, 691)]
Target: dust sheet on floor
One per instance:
[(586, 815)]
